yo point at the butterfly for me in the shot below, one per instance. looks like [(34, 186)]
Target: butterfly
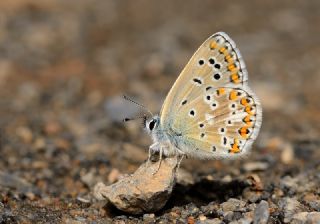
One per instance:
[(210, 111)]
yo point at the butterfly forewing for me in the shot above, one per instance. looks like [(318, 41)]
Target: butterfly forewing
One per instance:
[(210, 105)]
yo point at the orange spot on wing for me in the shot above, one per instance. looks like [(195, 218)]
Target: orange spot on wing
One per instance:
[(233, 95), (244, 101), (244, 131), (235, 78), (248, 109), (230, 60), (220, 91), (213, 45), (247, 120), (235, 147), (223, 49), (231, 67)]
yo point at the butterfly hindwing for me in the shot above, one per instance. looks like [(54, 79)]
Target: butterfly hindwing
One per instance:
[(210, 104)]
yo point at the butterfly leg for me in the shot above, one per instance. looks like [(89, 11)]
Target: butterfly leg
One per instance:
[(182, 156), (153, 148), (160, 160)]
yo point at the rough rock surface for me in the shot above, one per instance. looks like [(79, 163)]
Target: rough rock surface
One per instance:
[(146, 190)]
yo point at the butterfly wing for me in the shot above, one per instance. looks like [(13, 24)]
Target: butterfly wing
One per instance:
[(210, 111)]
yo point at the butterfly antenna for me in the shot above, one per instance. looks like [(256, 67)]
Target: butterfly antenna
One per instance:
[(144, 117), (138, 104)]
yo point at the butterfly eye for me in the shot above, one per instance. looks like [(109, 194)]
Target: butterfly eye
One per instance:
[(152, 125)]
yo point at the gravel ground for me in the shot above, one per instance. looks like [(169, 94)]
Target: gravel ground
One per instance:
[(64, 66)]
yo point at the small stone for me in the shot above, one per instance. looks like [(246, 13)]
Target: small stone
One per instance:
[(252, 196), (290, 206), (299, 218), (39, 144), (313, 218), (30, 195), (244, 221), (148, 217), (25, 134), (287, 154), (191, 220), (232, 204), (147, 190), (289, 184), (114, 175), (255, 182), (228, 216), (261, 213), (202, 217), (52, 128), (212, 221), (255, 166), (88, 178)]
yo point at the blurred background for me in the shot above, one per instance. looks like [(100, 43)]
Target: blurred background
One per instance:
[(64, 66)]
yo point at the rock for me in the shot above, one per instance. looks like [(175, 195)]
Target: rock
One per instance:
[(287, 154), (25, 134), (255, 166), (252, 196), (306, 217), (114, 175), (149, 218), (228, 216), (261, 213), (143, 191), (202, 217), (299, 218), (290, 207), (244, 221), (212, 221), (15, 182), (255, 182), (289, 184), (232, 204), (313, 218)]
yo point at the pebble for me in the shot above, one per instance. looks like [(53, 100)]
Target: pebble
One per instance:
[(290, 207), (299, 218), (261, 213), (25, 134), (232, 204), (252, 195), (114, 175), (255, 182), (313, 218), (213, 221), (287, 154), (146, 190), (202, 217), (148, 217), (306, 217), (255, 166)]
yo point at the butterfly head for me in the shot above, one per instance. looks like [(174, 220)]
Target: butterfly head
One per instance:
[(152, 124)]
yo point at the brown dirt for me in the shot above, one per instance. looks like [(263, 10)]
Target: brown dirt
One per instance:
[(65, 64)]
